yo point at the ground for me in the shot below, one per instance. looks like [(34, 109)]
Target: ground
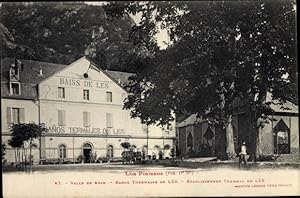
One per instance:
[(118, 180)]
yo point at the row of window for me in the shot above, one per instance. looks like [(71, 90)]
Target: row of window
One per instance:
[(15, 89), (86, 119), (62, 151), (86, 94), (17, 115)]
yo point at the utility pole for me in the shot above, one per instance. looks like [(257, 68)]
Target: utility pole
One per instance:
[(147, 140), (73, 149)]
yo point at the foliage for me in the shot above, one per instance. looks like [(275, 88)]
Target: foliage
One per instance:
[(62, 32), (125, 145), (3, 151), (23, 133), (80, 158), (172, 152), (166, 147), (93, 157), (223, 58)]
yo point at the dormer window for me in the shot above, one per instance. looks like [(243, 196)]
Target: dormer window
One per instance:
[(14, 72), (15, 88)]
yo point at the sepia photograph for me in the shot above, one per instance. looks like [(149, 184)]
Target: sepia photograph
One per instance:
[(149, 99)]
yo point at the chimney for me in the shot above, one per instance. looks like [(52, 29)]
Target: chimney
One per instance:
[(119, 80), (41, 71)]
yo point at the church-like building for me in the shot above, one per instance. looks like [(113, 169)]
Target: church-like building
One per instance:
[(280, 136), (82, 107)]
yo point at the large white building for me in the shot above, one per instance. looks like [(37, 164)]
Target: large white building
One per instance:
[(82, 107)]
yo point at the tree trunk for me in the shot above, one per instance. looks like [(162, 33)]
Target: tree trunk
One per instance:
[(230, 151), (30, 156), (258, 148), (15, 155), (25, 156), (22, 154), (18, 155)]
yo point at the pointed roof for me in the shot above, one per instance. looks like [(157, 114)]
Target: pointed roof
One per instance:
[(30, 76), (31, 69), (191, 120)]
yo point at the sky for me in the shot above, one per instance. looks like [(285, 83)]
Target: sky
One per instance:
[(162, 35)]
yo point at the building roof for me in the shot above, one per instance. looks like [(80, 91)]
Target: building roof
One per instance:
[(120, 77), (30, 76), (31, 69), (191, 120), (287, 107)]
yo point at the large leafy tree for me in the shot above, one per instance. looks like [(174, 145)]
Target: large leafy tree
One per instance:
[(267, 52), (23, 135), (219, 52)]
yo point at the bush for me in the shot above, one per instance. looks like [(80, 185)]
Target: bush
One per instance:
[(270, 157), (80, 158), (102, 160)]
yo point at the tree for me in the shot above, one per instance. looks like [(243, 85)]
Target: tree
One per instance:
[(3, 152), (223, 58), (268, 56), (125, 145), (62, 32), (24, 134)]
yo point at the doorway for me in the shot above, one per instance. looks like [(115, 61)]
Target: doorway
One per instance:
[(281, 138), (87, 152)]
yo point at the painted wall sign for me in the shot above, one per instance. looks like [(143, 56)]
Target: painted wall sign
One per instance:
[(85, 130), (83, 83)]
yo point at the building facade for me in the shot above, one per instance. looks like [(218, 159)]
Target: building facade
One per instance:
[(82, 107)]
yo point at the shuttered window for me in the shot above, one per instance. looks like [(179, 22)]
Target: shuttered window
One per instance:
[(86, 94), (61, 117), (15, 115), (108, 96), (61, 92), (86, 119), (22, 115), (8, 117), (109, 120)]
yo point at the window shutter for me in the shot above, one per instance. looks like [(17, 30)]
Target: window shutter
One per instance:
[(109, 120), (86, 119), (61, 117), (22, 115), (9, 120), (64, 117)]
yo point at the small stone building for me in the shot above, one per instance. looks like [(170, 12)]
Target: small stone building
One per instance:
[(280, 136)]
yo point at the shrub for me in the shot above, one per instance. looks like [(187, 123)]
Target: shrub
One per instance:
[(80, 158)]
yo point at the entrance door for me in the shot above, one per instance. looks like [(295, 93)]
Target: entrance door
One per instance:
[(281, 138), (87, 151)]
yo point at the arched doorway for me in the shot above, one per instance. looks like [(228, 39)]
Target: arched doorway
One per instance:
[(281, 138), (87, 151), (62, 153), (190, 142), (208, 142), (110, 152)]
